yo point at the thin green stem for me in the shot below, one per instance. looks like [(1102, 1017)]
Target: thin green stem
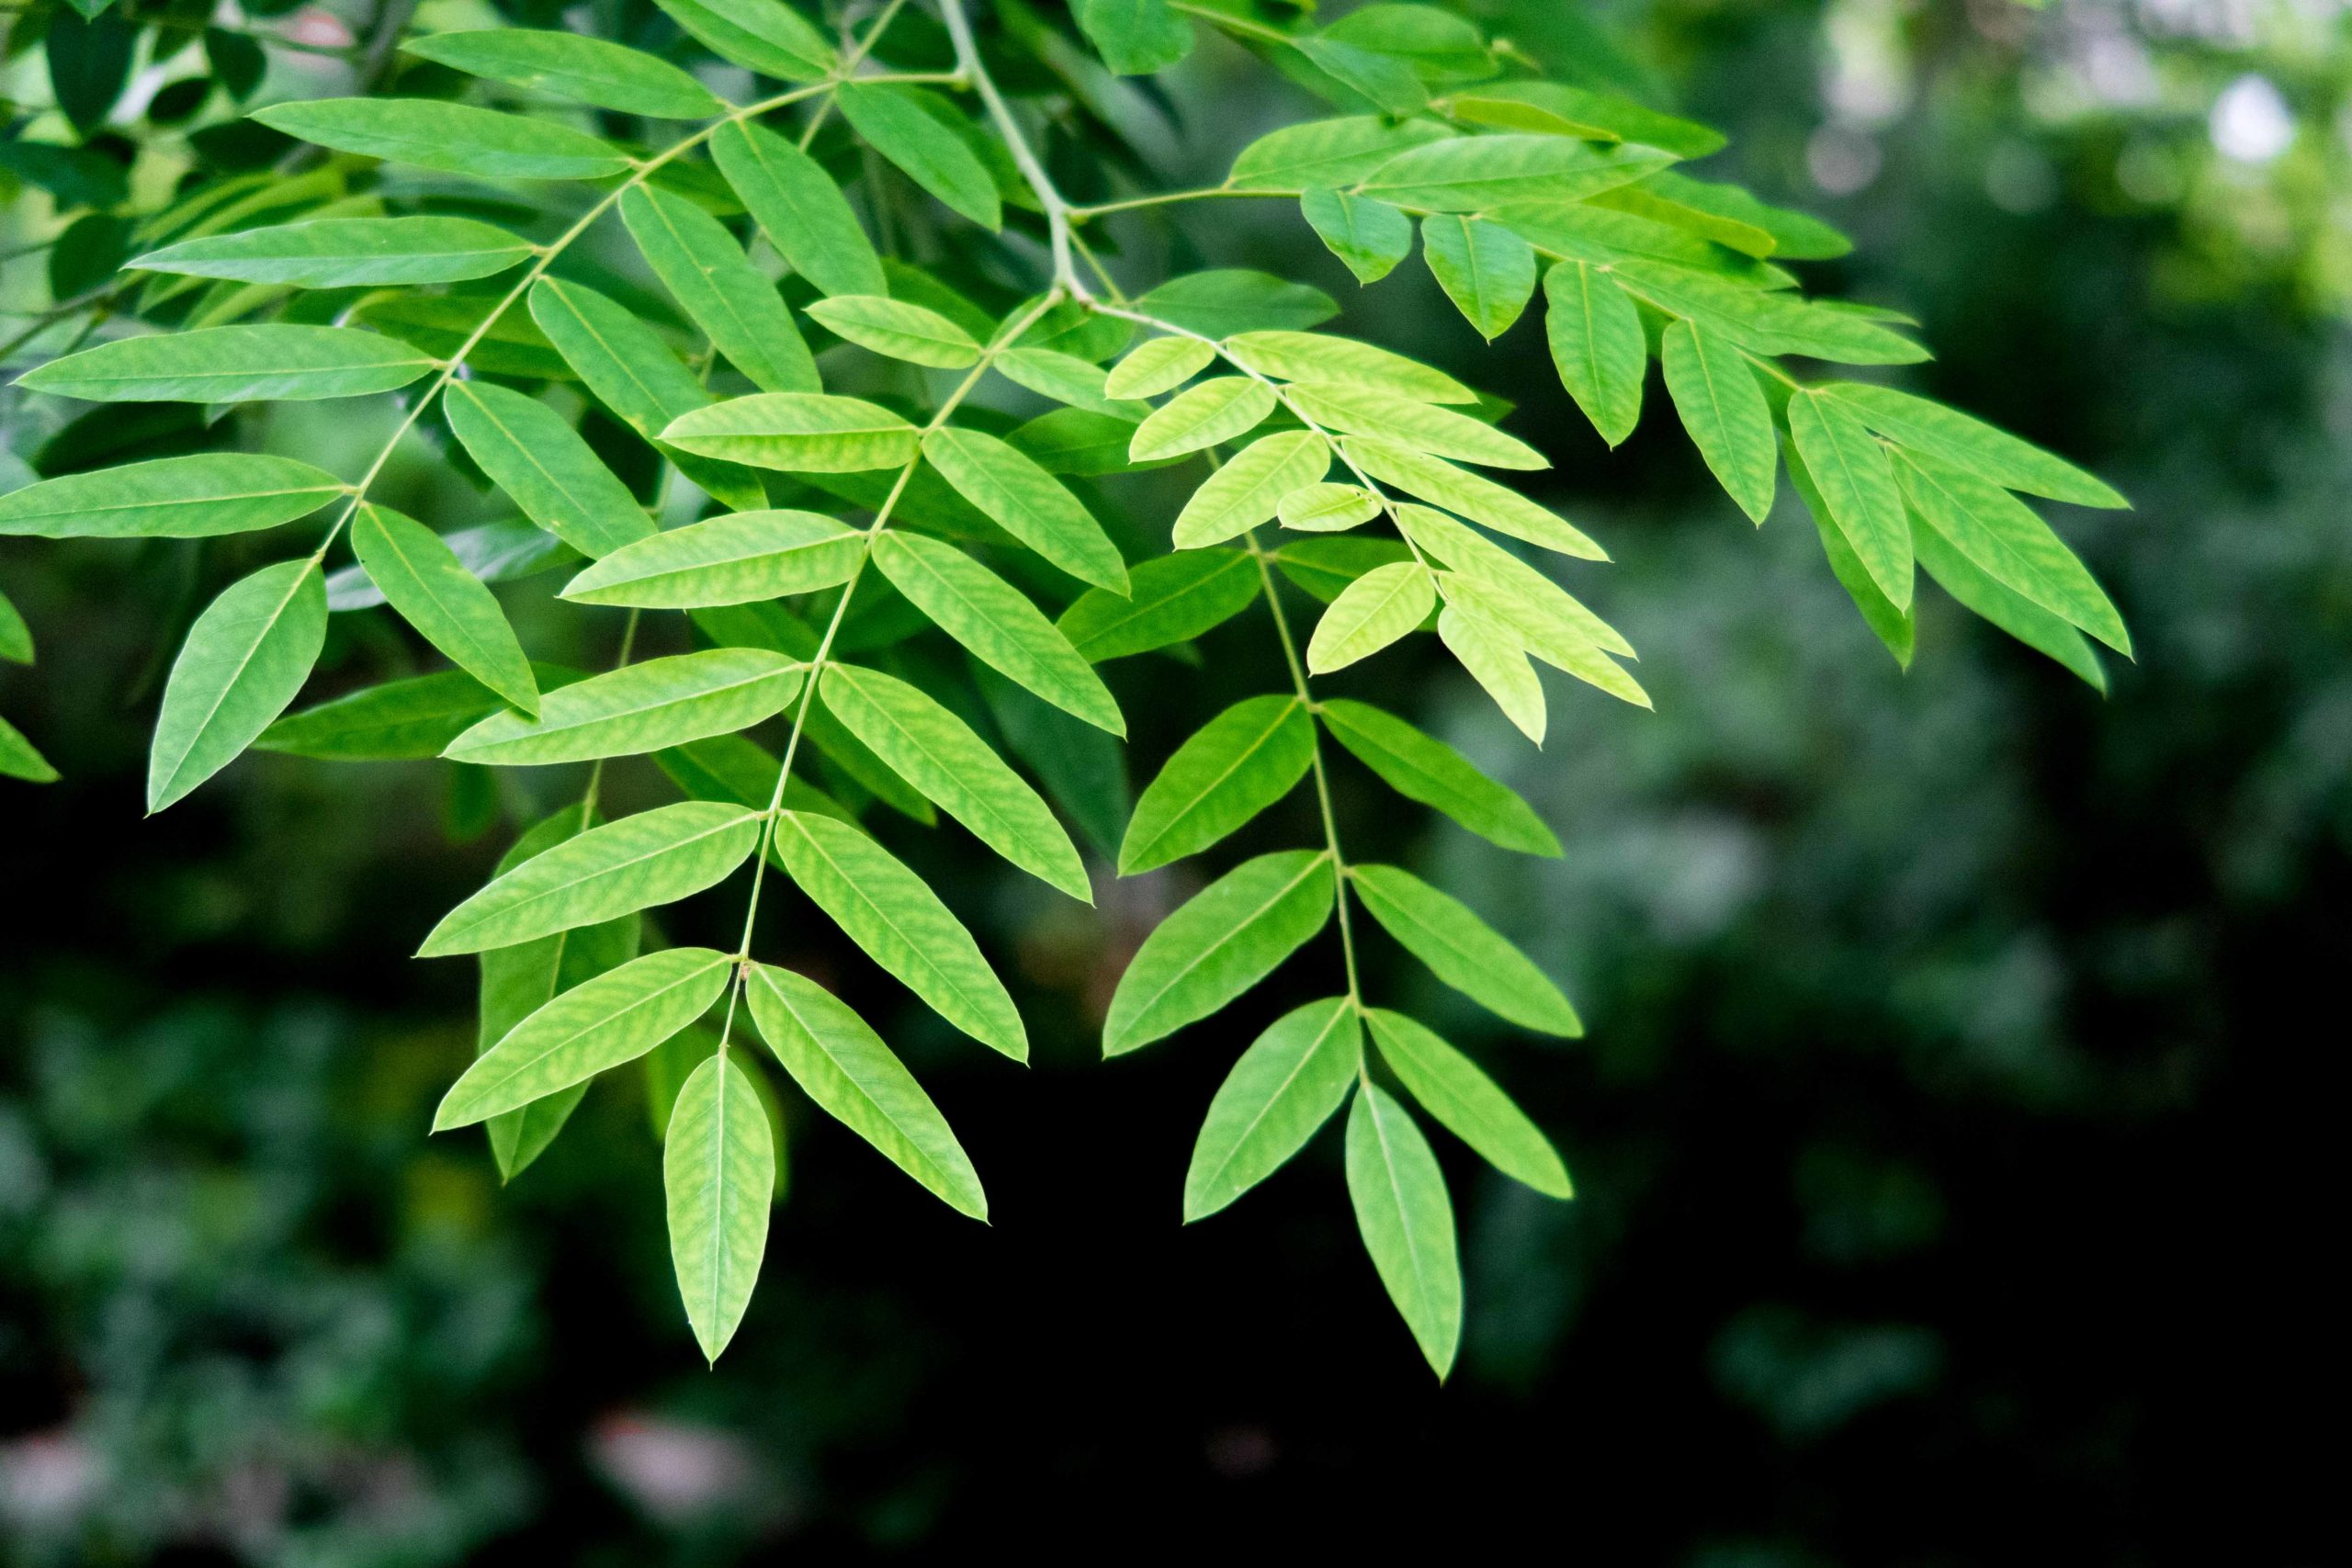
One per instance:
[(1170, 198), (1057, 211)]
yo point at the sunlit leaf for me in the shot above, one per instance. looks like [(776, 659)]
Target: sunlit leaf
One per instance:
[(1284, 1086), (1234, 767), (1232, 934), (718, 1175), (244, 660), (1406, 1222)]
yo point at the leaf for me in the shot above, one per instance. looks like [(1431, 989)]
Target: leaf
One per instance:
[(1236, 300), (940, 755), (902, 330), (1475, 173), (1723, 408), (2005, 607), (732, 560), (1249, 489), (1348, 76), (1231, 935), (640, 707), (1283, 1088), (456, 138), (1857, 482), (799, 432), (2002, 537), (1420, 427), (544, 467), (1597, 345), (170, 498), (1487, 271), (700, 264), (587, 69), (1327, 508), (718, 1177), (1544, 615), (1324, 568), (1235, 766), (232, 365), (844, 1067), (1559, 109), (1326, 153), (20, 760), (505, 551), (1370, 613), (766, 36), (1065, 379), (893, 123), (1134, 37), (1158, 365), (901, 925), (1369, 237), (1027, 502), (638, 863), (1463, 950), (244, 660), (1083, 770), (397, 720), (1421, 767), (1898, 629), (423, 579), (1407, 1220), (1474, 496), (1171, 599), (1321, 357), (1970, 445), (1794, 235), (1216, 410), (15, 637), (601, 1022), (1497, 661), (997, 624), (341, 252), (799, 209), (1467, 1100)]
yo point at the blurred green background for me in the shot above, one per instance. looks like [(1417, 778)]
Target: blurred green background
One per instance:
[(1950, 1139)]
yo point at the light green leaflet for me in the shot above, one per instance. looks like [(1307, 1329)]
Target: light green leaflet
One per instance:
[(1722, 407), (1463, 950), (1487, 271), (899, 330), (638, 863), (894, 122), (997, 624), (799, 209), (588, 70), (456, 138), (1249, 489), (2000, 535), (20, 760), (940, 755), (1159, 364), (1235, 766), (1420, 427), (765, 35), (1474, 496), (15, 637), (1562, 110), (544, 467), (170, 498), (901, 925), (1495, 658), (244, 660), (797, 432), (1465, 1101), (1407, 1220), (1370, 613), (1326, 153), (719, 1177), (1232, 934), (1857, 482), (233, 365), (734, 559), (2004, 608), (1173, 599), (1327, 508), (1134, 37), (1027, 502), (1216, 410), (1898, 629), (641, 708), (1970, 445), (1339, 361), (341, 253), (1545, 613), (1421, 767), (698, 261), (844, 1067), (1369, 237), (1597, 345), (1283, 1088), (1067, 378), (1474, 174), (422, 578), (397, 720), (601, 1022)]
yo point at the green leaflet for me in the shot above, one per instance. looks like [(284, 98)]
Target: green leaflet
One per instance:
[(15, 637), (799, 209), (1857, 482), (1067, 378), (1898, 629), (20, 760), (901, 925), (1463, 950), (997, 624), (1232, 934), (1234, 767), (588, 70), (1246, 492), (1027, 502), (423, 579), (1559, 109), (170, 498), (799, 431), (1474, 496), (1497, 660), (1422, 768), (902, 330), (601, 1022), (1339, 361), (940, 755), (844, 1067), (244, 660), (1451, 1089), (1970, 445), (1283, 1088), (1134, 37), (1370, 613), (1327, 508), (2003, 538), (733, 560), (767, 36), (1227, 300), (1474, 174), (1715, 393), (341, 252), (1597, 345), (700, 264), (1420, 427), (1326, 153), (1544, 615), (544, 467), (1369, 237), (894, 122), (638, 863), (456, 138), (232, 365), (718, 1176), (2005, 607), (1158, 365), (505, 551), (1171, 599), (1407, 1220), (1343, 74), (1487, 271), (641, 708), (397, 720), (1216, 410)]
